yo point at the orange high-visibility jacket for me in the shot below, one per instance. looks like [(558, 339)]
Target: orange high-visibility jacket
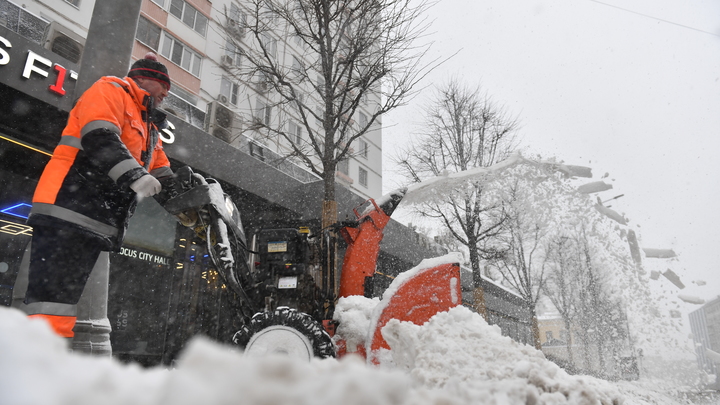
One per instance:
[(108, 143)]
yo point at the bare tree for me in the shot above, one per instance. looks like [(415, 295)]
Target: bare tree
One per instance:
[(341, 57), (523, 246), (462, 130), (561, 288), (578, 287), (601, 316), (538, 202)]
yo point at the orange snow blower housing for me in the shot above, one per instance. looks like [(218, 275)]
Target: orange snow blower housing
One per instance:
[(415, 297)]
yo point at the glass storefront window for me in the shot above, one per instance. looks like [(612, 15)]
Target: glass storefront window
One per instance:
[(20, 169)]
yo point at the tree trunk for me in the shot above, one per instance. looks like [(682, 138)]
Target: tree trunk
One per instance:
[(103, 55), (479, 301), (535, 330), (474, 256), (568, 343), (329, 247)]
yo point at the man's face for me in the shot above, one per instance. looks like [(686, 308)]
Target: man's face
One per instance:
[(158, 91)]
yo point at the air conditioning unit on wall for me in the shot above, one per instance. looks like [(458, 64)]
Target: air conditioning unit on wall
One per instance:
[(226, 60), (262, 86), (235, 29), (220, 121), (64, 42)]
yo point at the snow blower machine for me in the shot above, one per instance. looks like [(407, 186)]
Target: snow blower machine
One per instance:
[(284, 292)]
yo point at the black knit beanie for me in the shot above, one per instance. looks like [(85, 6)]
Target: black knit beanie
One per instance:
[(150, 68)]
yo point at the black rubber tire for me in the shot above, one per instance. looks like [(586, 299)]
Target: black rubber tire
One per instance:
[(302, 323)]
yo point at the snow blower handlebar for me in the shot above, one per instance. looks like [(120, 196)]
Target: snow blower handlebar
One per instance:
[(202, 205)]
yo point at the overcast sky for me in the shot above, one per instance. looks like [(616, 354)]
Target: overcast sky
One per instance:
[(631, 88)]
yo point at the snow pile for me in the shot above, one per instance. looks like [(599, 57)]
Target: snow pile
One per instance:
[(454, 359), (460, 352), (36, 368), (354, 314)]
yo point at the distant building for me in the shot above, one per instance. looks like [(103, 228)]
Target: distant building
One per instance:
[(552, 331), (705, 326), (566, 349), (554, 339)]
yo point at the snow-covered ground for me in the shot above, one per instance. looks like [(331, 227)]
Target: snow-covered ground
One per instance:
[(455, 358)]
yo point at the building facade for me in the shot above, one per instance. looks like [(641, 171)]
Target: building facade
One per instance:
[(705, 327), (204, 45)]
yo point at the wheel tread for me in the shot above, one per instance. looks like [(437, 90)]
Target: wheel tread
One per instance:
[(323, 346)]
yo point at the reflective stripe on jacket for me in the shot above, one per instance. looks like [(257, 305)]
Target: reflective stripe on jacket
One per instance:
[(108, 143)]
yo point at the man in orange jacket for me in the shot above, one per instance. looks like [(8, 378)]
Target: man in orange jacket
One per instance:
[(109, 155)]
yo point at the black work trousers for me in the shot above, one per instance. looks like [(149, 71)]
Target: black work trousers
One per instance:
[(61, 260)]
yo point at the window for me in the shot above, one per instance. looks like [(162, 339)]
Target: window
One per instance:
[(176, 8), (548, 335), (237, 15), (263, 113), (189, 97), (363, 120), (363, 177), (180, 54), (75, 3), (297, 66), (263, 82), (295, 104), (148, 33), (257, 151), (363, 146), (269, 12), (236, 22), (321, 147), (295, 132), (189, 15), (269, 44), (343, 166), (320, 120), (229, 90), (234, 52), (160, 3)]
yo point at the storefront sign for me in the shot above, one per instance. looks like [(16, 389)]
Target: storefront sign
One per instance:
[(31, 66), (32, 69), (148, 257), (39, 65)]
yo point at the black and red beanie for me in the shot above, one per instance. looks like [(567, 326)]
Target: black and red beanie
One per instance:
[(150, 68)]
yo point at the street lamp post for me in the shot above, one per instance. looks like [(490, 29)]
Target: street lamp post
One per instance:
[(103, 55)]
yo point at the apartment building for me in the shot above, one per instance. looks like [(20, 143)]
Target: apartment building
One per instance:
[(203, 44)]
